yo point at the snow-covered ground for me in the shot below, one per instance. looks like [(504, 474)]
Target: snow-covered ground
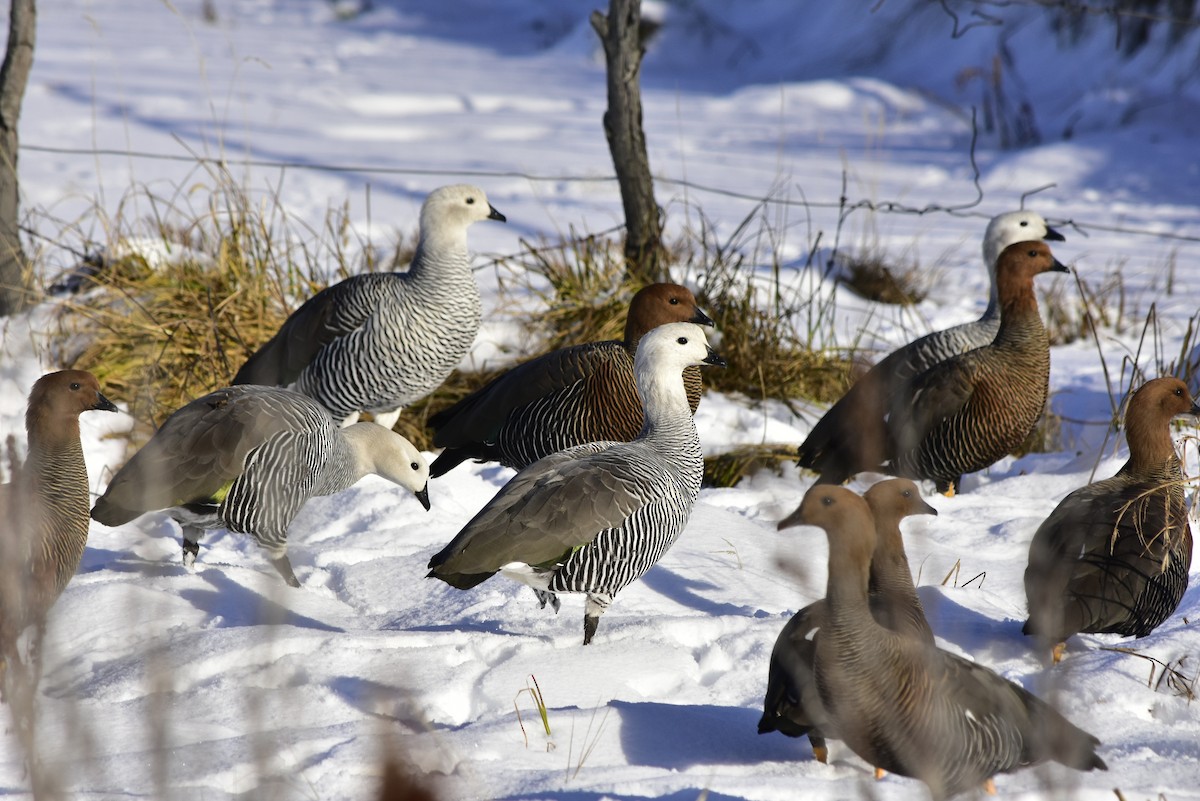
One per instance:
[(166, 684)]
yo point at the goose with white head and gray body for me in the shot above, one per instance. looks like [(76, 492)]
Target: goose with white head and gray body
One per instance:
[(592, 519)]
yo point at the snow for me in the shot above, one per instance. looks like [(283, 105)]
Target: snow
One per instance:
[(165, 684)]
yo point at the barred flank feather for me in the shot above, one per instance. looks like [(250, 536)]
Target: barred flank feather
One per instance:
[(792, 704)]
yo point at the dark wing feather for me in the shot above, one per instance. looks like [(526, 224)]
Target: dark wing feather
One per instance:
[(929, 399), (478, 417)]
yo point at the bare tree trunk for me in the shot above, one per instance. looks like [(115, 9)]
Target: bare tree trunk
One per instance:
[(645, 257), (18, 59)]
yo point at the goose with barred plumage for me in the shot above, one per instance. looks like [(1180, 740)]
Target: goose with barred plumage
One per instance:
[(45, 507), (971, 410), (380, 341), (853, 435), (792, 704), (1114, 555), (571, 396), (912, 708), (246, 458), (594, 518)]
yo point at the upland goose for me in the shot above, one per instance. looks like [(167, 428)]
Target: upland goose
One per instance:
[(792, 705), (969, 411), (911, 708), (45, 507), (594, 518), (380, 341), (571, 396), (1114, 555), (246, 458), (852, 436)]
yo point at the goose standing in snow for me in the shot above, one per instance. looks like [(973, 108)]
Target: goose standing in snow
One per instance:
[(571, 396), (853, 435), (971, 410), (1114, 555), (594, 518), (246, 458), (45, 507), (912, 708), (380, 341), (792, 704)]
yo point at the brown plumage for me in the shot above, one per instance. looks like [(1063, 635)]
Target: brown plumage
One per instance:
[(792, 705), (909, 707), (971, 410), (852, 436), (46, 505), (571, 396), (1114, 555)]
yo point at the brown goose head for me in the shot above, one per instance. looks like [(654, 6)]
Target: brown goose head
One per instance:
[(659, 304), (846, 520), (57, 400), (1147, 421), (895, 499), (1016, 267)]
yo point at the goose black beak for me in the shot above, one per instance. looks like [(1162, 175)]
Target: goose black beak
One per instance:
[(423, 496), (1054, 236), (495, 215), (103, 404), (926, 509), (715, 360), (1059, 267), (700, 318)]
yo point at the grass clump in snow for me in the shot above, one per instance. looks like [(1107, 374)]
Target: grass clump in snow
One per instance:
[(869, 275)]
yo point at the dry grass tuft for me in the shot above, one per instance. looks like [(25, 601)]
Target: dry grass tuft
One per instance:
[(727, 469), (869, 276), (582, 285)]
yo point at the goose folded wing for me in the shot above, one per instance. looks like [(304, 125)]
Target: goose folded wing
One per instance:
[(546, 511)]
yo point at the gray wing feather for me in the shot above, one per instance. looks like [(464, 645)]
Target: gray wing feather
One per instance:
[(556, 504)]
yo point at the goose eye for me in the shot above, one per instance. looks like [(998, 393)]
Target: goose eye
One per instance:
[(74, 386), (682, 340), (1033, 253), (470, 201), (828, 501), (674, 301), (414, 466), (907, 493), (1179, 391), (1024, 223)]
